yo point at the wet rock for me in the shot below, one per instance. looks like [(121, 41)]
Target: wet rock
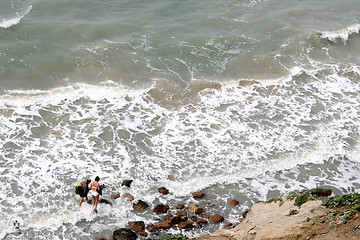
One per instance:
[(181, 213), (244, 214), (159, 209), (137, 226), (115, 196), (233, 202), (228, 224), (196, 209), (143, 234), (106, 201), (128, 197), (152, 228), (186, 225), (163, 190), (184, 218), (140, 205), (216, 218), (173, 220), (124, 234), (162, 225), (198, 194), (206, 216), (127, 183), (180, 206), (101, 238), (321, 192), (201, 221)]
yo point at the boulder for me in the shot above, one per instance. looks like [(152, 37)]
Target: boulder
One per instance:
[(124, 234), (181, 213), (152, 228), (196, 209), (321, 192), (233, 202), (180, 206), (201, 221), (162, 225), (198, 194), (186, 225), (140, 205), (206, 216), (143, 234), (228, 224), (159, 209), (163, 190), (173, 220), (127, 183), (137, 226), (216, 218), (115, 196), (106, 201), (128, 197)]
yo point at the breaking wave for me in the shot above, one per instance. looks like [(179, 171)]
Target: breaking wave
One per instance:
[(342, 34), (6, 23)]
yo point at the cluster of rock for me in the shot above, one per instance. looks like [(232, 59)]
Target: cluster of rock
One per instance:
[(183, 217)]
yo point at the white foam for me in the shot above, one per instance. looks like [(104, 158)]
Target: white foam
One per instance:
[(6, 23), (342, 34)]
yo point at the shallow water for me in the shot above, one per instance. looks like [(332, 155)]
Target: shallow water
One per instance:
[(239, 99)]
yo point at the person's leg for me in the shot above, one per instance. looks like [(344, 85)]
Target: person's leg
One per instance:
[(93, 201), (81, 201), (96, 202)]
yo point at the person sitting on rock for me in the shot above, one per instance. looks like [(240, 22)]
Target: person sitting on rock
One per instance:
[(82, 189)]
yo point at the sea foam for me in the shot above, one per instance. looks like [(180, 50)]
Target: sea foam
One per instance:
[(6, 23)]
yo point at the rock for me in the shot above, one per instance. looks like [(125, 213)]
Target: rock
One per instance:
[(115, 196), (137, 226), (206, 216), (244, 214), (124, 234), (216, 218), (173, 220), (186, 225), (163, 190), (233, 202), (184, 218), (106, 201), (228, 224), (201, 221), (196, 209), (143, 234), (152, 228), (140, 205), (127, 183), (162, 225), (159, 209), (101, 238), (181, 213), (180, 206), (321, 192), (198, 195), (128, 197)]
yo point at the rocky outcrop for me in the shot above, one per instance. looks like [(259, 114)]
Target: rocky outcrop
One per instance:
[(124, 234)]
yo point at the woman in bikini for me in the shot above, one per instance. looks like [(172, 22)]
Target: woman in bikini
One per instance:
[(94, 188)]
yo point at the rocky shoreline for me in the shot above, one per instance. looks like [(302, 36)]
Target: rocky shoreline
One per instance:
[(296, 215)]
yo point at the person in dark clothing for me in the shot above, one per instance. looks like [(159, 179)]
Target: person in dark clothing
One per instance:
[(82, 189)]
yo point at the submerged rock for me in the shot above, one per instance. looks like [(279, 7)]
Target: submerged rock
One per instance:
[(163, 190), (127, 183)]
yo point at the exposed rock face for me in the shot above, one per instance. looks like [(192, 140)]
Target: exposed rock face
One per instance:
[(198, 194), (124, 234), (163, 190), (196, 209), (271, 221), (216, 218), (321, 192), (137, 226), (140, 205), (159, 209)]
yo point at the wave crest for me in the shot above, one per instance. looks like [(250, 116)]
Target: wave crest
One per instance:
[(6, 23), (342, 34)]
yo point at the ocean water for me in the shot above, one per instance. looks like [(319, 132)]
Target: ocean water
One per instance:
[(240, 99)]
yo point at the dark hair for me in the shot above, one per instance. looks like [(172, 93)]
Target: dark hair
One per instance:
[(88, 180), (97, 178)]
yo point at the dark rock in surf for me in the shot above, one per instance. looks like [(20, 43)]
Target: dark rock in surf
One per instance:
[(163, 190), (173, 220), (115, 196), (127, 183), (128, 197), (180, 206), (161, 208), (181, 213), (198, 194), (186, 225), (140, 205), (124, 234), (137, 226), (233, 202), (216, 218), (196, 209), (106, 201)]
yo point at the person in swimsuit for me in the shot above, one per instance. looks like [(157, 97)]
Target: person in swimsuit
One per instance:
[(94, 190)]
